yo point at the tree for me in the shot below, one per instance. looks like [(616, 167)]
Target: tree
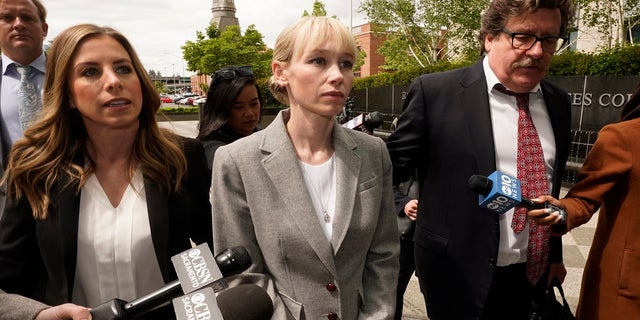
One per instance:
[(613, 19), (213, 50), (422, 32), (318, 10)]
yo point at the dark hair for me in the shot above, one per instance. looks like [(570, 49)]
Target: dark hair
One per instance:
[(42, 11), (221, 97), (499, 11), (631, 109)]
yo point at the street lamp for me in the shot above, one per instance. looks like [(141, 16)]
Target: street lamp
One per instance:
[(173, 76)]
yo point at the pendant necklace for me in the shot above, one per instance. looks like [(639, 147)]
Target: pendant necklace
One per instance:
[(324, 199)]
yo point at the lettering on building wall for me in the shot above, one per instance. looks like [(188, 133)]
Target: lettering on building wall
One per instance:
[(615, 100)]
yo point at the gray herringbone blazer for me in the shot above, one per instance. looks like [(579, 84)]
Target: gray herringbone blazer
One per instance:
[(260, 201), (15, 307)]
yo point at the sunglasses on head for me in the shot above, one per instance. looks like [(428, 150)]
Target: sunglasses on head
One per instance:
[(232, 72)]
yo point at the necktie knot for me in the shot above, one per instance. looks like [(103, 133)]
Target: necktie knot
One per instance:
[(24, 72), (522, 98)]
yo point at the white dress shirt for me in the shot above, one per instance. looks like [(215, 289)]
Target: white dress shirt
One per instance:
[(9, 99), (116, 257), (504, 119)]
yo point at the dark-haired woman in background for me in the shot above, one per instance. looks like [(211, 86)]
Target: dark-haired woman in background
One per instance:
[(232, 110), (609, 180)]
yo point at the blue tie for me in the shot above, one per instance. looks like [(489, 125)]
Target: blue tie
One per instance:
[(29, 103)]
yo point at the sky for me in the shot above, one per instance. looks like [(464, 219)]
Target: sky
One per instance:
[(158, 28)]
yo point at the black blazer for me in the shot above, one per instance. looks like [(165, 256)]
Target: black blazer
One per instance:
[(38, 258), (445, 133)]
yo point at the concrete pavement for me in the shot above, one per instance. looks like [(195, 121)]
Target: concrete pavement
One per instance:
[(576, 245)]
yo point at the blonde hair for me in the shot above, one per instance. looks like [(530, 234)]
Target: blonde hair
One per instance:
[(308, 32), (51, 154)]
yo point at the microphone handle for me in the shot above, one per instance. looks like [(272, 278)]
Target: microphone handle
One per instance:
[(533, 205), (147, 302)]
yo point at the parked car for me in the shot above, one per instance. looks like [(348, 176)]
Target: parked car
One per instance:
[(166, 99), (187, 98), (198, 101)]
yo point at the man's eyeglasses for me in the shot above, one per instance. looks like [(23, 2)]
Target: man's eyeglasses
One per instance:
[(232, 72), (525, 41)]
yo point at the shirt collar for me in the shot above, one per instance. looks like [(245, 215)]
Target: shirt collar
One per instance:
[(492, 79), (38, 63)]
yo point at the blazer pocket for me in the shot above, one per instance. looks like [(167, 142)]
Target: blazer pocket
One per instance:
[(629, 283), (293, 307), (430, 241), (368, 184)]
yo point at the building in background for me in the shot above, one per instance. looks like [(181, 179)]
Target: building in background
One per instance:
[(223, 15), (369, 42)]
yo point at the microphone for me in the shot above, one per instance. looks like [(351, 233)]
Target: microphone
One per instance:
[(365, 123), (355, 123), (373, 120), (499, 192), (195, 268), (243, 302)]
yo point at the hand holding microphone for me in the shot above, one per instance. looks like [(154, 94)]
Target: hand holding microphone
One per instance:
[(196, 266), (499, 192), (550, 215)]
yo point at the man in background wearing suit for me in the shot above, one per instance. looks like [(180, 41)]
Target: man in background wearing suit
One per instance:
[(471, 262), (23, 28)]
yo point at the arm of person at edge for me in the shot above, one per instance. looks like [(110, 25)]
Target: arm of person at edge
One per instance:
[(17, 307), (405, 205), (608, 162)]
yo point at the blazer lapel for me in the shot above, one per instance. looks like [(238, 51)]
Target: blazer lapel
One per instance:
[(473, 86), (561, 131), (157, 207), (281, 165), (58, 238), (348, 163)]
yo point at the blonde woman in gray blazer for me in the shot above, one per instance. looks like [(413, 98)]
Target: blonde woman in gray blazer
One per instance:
[(310, 200)]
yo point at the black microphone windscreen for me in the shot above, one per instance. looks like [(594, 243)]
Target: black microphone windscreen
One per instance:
[(480, 184), (373, 120), (233, 260), (245, 302)]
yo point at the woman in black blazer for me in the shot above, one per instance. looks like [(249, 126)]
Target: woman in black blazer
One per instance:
[(99, 197)]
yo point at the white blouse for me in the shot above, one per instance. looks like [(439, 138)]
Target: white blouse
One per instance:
[(321, 183), (116, 257)]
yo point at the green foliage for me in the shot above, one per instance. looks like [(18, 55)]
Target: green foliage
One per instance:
[(160, 86), (619, 61), (613, 19), (418, 31), (318, 10), (230, 47), (180, 110), (622, 61), (406, 76)]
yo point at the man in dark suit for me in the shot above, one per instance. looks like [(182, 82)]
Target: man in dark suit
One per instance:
[(23, 28), (471, 263)]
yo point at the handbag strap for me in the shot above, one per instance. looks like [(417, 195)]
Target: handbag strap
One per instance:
[(556, 284)]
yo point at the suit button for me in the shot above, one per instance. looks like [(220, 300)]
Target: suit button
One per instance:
[(492, 262), (331, 287), (332, 316)]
